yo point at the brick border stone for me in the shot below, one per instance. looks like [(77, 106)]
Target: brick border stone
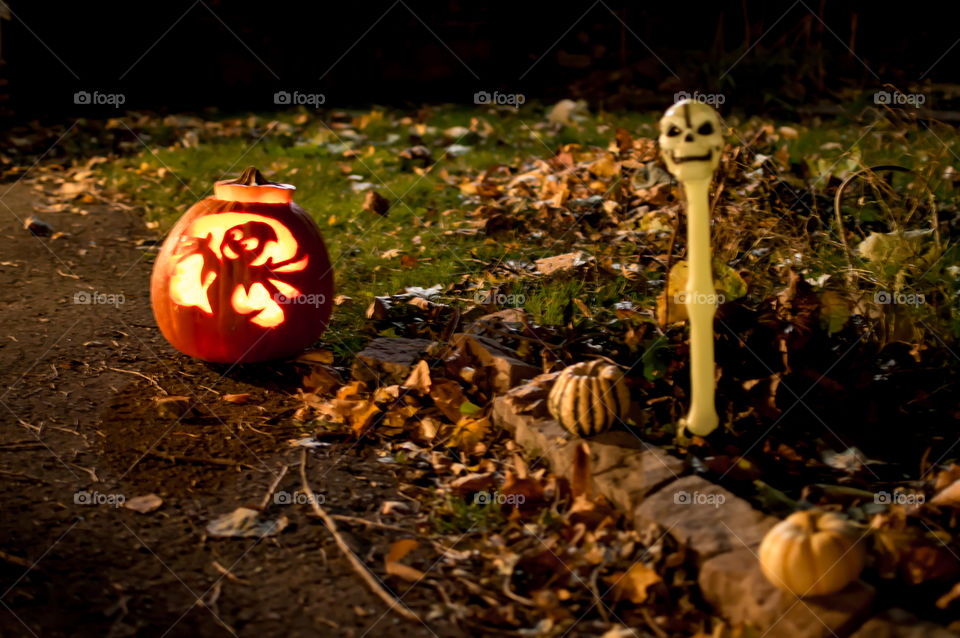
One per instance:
[(720, 530)]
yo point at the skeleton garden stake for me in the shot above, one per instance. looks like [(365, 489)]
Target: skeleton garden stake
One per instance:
[(691, 142)]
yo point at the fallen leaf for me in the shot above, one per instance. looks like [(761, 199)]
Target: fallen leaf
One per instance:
[(238, 399), (317, 356), (321, 380), (173, 407), (562, 263), (448, 396), (894, 248), (144, 504), (835, 310), (948, 496), (605, 167), (362, 416), (395, 568), (419, 378), (469, 432), (245, 522), (473, 482), (376, 203), (946, 599), (632, 585)]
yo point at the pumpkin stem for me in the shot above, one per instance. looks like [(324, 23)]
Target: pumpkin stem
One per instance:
[(251, 177)]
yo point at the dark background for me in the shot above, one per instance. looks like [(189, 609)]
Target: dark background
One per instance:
[(192, 54)]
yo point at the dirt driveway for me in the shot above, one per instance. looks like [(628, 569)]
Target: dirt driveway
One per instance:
[(81, 362)]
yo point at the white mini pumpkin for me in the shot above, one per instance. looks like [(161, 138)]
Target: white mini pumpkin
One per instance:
[(812, 553), (589, 397)]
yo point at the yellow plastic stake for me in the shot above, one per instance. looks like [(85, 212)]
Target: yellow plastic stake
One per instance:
[(691, 142)]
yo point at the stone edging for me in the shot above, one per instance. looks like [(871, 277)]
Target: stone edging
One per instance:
[(649, 485)]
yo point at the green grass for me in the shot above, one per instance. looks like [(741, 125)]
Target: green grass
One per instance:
[(303, 149)]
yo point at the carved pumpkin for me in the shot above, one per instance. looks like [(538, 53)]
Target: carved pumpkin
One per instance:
[(243, 275), (812, 553), (589, 397)]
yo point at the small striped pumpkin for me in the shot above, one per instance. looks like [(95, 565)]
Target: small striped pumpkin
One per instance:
[(589, 397)]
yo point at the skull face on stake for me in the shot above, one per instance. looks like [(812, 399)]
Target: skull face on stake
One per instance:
[(690, 140)]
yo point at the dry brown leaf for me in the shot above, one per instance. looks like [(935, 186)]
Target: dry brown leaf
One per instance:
[(924, 563), (238, 399), (363, 415), (525, 492), (395, 568), (473, 482), (419, 378), (946, 599), (605, 167), (376, 203), (429, 428), (469, 432), (316, 356), (948, 496), (584, 308), (144, 504), (321, 380), (632, 585), (353, 390), (946, 477), (448, 396)]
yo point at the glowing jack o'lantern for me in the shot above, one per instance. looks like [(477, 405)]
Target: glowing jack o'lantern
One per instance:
[(243, 276)]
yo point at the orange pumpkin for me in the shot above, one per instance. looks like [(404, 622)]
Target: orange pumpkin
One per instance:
[(812, 553), (243, 275)]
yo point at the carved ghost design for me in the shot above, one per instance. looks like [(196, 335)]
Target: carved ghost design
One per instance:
[(690, 140), (255, 248)]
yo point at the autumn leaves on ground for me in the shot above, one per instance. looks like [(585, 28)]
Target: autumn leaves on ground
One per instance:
[(474, 250)]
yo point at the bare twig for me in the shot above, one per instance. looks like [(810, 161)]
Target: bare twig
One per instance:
[(652, 624), (143, 376), (194, 459), (19, 476), (389, 528), (25, 444), (16, 560), (273, 487), (229, 574), (358, 567)]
